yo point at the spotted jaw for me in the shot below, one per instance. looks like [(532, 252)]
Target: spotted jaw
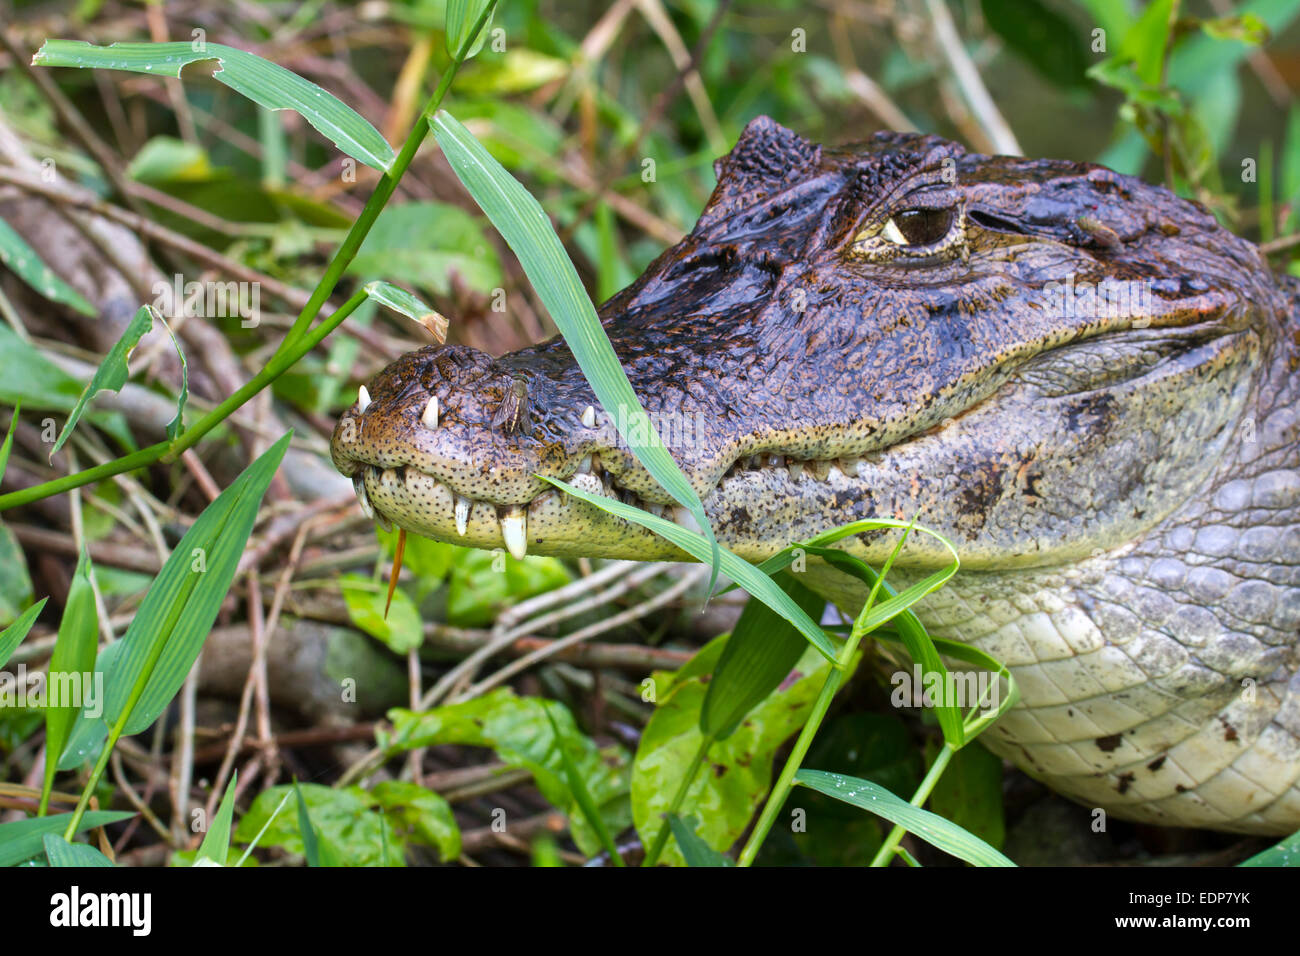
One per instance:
[(553, 523)]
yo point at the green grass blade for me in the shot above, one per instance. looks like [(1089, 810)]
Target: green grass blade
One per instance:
[(461, 17), (931, 827), (749, 577), (112, 372), (9, 438), (216, 842), (758, 656), (62, 853), (310, 840), (23, 261), (13, 635), (1286, 853), (524, 224), (265, 83), (404, 303), (694, 850), (72, 657), (176, 614), (23, 839), (582, 796)]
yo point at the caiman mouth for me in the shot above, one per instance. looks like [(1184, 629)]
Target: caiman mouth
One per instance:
[(762, 486)]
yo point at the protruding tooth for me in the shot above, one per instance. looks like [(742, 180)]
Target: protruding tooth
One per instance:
[(359, 484), (584, 466), (462, 514), (755, 462), (363, 400), (687, 520), (820, 468), (514, 529), (849, 466), (776, 461), (589, 417), (796, 468), (389, 477), (381, 519), (430, 416)]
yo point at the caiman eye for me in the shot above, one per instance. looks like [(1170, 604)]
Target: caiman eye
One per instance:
[(918, 227)]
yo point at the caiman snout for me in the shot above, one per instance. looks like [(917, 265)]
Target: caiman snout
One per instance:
[(449, 437)]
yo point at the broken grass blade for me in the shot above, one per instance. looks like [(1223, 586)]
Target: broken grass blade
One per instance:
[(112, 372), (404, 303), (527, 230), (697, 546), (265, 83)]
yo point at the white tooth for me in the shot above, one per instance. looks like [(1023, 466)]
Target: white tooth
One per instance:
[(777, 461), (796, 468), (849, 466), (589, 417), (514, 529), (687, 520), (381, 519), (462, 514), (584, 466), (363, 400), (359, 484), (389, 477), (820, 468), (430, 416)]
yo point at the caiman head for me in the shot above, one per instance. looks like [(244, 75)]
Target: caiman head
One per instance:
[(1036, 358)]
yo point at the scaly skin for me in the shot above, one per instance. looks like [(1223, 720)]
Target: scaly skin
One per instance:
[(1123, 484)]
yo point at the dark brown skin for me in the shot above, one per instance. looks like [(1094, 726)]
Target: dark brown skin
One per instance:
[(877, 330)]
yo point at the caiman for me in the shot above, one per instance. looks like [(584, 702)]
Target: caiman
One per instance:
[(1082, 380)]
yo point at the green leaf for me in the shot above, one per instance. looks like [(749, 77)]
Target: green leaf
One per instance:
[(1045, 39), (759, 655), (72, 659), (518, 70), (1286, 853), (22, 839), (168, 630), (216, 842), (62, 853), (401, 630), (752, 579), (265, 83), (462, 15), (969, 793), (524, 225), (112, 372), (347, 832), (581, 796), (477, 592), (13, 635), (420, 815), (28, 376), (23, 261), (737, 772), (694, 850), (518, 730), (89, 733), (166, 159), (404, 303), (15, 580), (930, 827)]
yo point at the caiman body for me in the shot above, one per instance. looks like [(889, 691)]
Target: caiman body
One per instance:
[(901, 329)]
